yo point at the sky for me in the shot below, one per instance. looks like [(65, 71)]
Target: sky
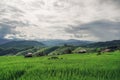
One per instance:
[(92, 20)]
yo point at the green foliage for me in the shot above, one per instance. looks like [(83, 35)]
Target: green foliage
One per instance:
[(77, 49), (104, 44), (63, 50), (21, 44), (71, 67), (46, 50), (9, 51), (28, 50)]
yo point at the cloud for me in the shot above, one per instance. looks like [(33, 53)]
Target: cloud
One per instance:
[(59, 19), (101, 30), (5, 29)]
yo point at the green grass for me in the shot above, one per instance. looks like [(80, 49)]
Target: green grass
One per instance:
[(71, 67)]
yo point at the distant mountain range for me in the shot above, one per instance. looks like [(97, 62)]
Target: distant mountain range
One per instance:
[(6, 43), (3, 41), (105, 44), (58, 42), (19, 44), (49, 47)]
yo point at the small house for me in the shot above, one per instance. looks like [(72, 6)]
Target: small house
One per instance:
[(106, 50), (28, 55), (82, 51)]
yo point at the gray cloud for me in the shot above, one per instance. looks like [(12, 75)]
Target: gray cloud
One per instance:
[(66, 19), (110, 1), (8, 27), (5, 29), (104, 30)]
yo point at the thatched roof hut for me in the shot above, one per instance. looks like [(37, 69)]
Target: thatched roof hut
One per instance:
[(82, 51), (28, 55)]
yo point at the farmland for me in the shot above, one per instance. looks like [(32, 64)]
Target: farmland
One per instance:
[(67, 67)]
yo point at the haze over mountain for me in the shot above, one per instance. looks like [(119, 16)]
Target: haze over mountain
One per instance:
[(6, 43), (58, 42), (22, 44), (91, 20), (3, 41)]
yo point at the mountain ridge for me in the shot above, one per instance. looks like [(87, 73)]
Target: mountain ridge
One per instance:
[(21, 44)]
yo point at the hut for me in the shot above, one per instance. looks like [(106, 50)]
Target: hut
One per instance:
[(82, 51), (28, 55), (107, 50)]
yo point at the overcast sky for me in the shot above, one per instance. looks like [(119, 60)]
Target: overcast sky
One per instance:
[(94, 20)]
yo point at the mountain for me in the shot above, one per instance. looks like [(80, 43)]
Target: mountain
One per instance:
[(59, 42), (105, 44), (3, 41), (56, 42), (23, 47), (21, 44)]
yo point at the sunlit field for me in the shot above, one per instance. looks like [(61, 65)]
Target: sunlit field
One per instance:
[(67, 67)]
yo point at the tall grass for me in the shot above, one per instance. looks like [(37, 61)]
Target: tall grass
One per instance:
[(71, 67)]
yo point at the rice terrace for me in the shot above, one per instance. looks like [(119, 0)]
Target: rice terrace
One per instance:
[(65, 66), (59, 39)]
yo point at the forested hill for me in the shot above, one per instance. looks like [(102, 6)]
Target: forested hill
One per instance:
[(38, 48), (21, 44), (105, 44), (3, 41)]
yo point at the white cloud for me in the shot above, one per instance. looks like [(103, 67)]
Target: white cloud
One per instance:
[(48, 19)]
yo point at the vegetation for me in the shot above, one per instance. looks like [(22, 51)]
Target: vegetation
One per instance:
[(61, 63), (22, 44), (104, 44), (63, 50), (66, 67), (45, 51), (9, 51), (39, 49)]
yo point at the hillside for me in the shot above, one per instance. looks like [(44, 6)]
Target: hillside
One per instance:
[(59, 42), (21, 44), (3, 41), (38, 48), (104, 44), (67, 67)]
